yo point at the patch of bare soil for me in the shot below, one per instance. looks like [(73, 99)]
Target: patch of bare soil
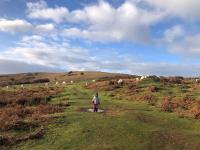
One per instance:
[(106, 112), (90, 110)]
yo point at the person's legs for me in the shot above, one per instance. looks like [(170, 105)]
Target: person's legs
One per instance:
[(94, 108)]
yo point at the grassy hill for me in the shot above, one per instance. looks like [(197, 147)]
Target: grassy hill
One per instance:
[(136, 114), (25, 78)]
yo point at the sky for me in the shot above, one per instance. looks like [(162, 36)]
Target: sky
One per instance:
[(143, 37)]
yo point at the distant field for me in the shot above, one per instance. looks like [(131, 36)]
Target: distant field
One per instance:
[(152, 114)]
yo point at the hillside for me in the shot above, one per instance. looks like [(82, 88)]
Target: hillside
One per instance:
[(151, 113), (27, 78)]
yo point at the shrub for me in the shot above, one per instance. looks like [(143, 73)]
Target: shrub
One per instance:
[(111, 82), (195, 110), (12, 79), (185, 103), (167, 105), (176, 80), (70, 73), (150, 99), (41, 80), (20, 106), (173, 80), (154, 78), (153, 89), (132, 86)]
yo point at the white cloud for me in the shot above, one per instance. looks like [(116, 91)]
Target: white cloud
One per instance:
[(130, 21), (45, 28), (11, 66), (106, 23), (186, 9), (165, 69), (101, 21), (40, 10), (32, 38), (181, 41), (187, 46), (34, 53), (174, 33), (44, 51), (16, 25), (19, 25), (92, 35)]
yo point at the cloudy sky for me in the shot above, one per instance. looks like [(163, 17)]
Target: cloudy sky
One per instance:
[(129, 36)]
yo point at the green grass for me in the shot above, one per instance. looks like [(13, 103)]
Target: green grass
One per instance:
[(126, 125)]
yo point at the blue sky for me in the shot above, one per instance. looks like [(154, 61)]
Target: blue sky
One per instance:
[(141, 37)]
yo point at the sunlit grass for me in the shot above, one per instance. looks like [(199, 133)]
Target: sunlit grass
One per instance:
[(127, 125)]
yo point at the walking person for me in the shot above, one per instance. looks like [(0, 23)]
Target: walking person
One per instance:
[(96, 102)]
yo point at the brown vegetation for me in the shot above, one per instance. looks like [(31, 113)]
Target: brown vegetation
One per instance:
[(28, 78), (173, 80), (28, 97), (132, 90), (186, 106), (11, 140), (149, 98), (26, 110), (112, 84), (104, 85), (167, 105), (153, 89)]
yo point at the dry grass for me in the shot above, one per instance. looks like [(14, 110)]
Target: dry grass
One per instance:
[(167, 105), (26, 110), (11, 140), (27, 97), (187, 106)]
